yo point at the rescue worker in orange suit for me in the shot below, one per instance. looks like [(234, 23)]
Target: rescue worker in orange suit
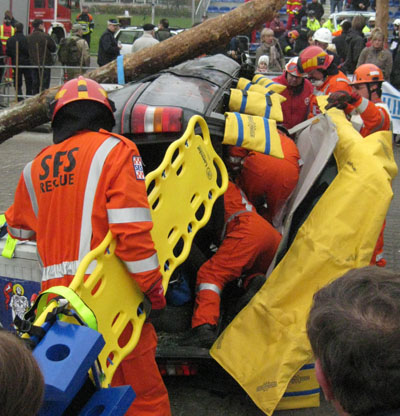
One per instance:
[(266, 180), (369, 114), (297, 93), (248, 246), (88, 182), (325, 76), (6, 31)]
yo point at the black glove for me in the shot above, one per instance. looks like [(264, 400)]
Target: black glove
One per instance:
[(339, 99)]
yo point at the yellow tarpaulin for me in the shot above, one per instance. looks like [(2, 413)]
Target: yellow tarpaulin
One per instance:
[(266, 344)]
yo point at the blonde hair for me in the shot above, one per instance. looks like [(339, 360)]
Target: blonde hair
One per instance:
[(377, 33)]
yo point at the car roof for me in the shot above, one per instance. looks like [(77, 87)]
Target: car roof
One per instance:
[(196, 86), (352, 13)]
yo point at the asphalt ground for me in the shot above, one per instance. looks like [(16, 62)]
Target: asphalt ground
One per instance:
[(205, 395)]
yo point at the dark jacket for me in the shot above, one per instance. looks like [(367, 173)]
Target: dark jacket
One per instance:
[(395, 76), (41, 46), (341, 45), (162, 34), (108, 48), (318, 9), (355, 4), (302, 41), (355, 44), (286, 46), (23, 50)]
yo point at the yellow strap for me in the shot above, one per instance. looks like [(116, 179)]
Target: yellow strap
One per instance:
[(9, 246)]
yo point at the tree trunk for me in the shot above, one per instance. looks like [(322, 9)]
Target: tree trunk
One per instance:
[(204, 38), (382, 16)]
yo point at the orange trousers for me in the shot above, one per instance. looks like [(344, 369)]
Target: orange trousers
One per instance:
[(267, 177), (378, 258), (249, 247), (140, 370)]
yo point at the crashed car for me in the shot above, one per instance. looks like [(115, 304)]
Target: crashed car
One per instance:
[(327, 225), (202, 87)]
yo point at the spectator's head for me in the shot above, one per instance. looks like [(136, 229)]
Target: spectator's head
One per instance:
[(267, 36), (263, 63), (358, 23), (112, 25), (303, 21), (354, 331), (311, 15), (149, 28), (76, 29), (368, 79), (164, 24), (371, 22), (322, 37), (22, 383), (72, 111), (37, 24), (396, 24), (292, 74), (85, 9), (315, 62), (19, 27), (7, 17), (377, 39), (345, 25)]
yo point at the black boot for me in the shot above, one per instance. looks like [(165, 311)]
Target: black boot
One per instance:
[(202, 336), (253, 287)]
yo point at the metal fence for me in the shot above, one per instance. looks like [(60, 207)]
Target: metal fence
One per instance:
[(8, 93)]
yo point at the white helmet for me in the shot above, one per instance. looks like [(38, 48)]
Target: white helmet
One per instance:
[(323, 34), (397, 22)]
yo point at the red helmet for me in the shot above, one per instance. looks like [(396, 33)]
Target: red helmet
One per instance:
[(368, 73), (293, 34), (292, 69), (312, 58), (80, 89)]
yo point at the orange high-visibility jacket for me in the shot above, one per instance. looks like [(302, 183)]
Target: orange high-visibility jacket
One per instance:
[(375, 116), (338, 82), (72, 193)]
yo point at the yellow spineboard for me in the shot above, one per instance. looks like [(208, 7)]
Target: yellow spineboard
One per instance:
[(338, 235), (191, 175)]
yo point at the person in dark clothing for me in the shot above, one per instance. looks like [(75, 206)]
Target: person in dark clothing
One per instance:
[(355, 44), (108, 45), (9, 16), (41, 46), (354, 332), (303, 11), (17, 45), (288, 41), (361, 5), (318, 9), (340, 41), (302, 40), (163, 31)]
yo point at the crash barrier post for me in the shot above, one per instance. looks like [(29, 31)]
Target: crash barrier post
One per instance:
[(110, 292), (8, 95)]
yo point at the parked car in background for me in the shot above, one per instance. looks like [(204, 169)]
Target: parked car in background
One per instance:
[(348, 15), (128, 35)]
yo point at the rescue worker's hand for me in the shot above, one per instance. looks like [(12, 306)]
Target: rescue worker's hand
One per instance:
[(339, 99), (156, 302)]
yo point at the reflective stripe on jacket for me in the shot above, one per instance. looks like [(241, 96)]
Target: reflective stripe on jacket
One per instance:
[(5, 33), (72, 193)]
